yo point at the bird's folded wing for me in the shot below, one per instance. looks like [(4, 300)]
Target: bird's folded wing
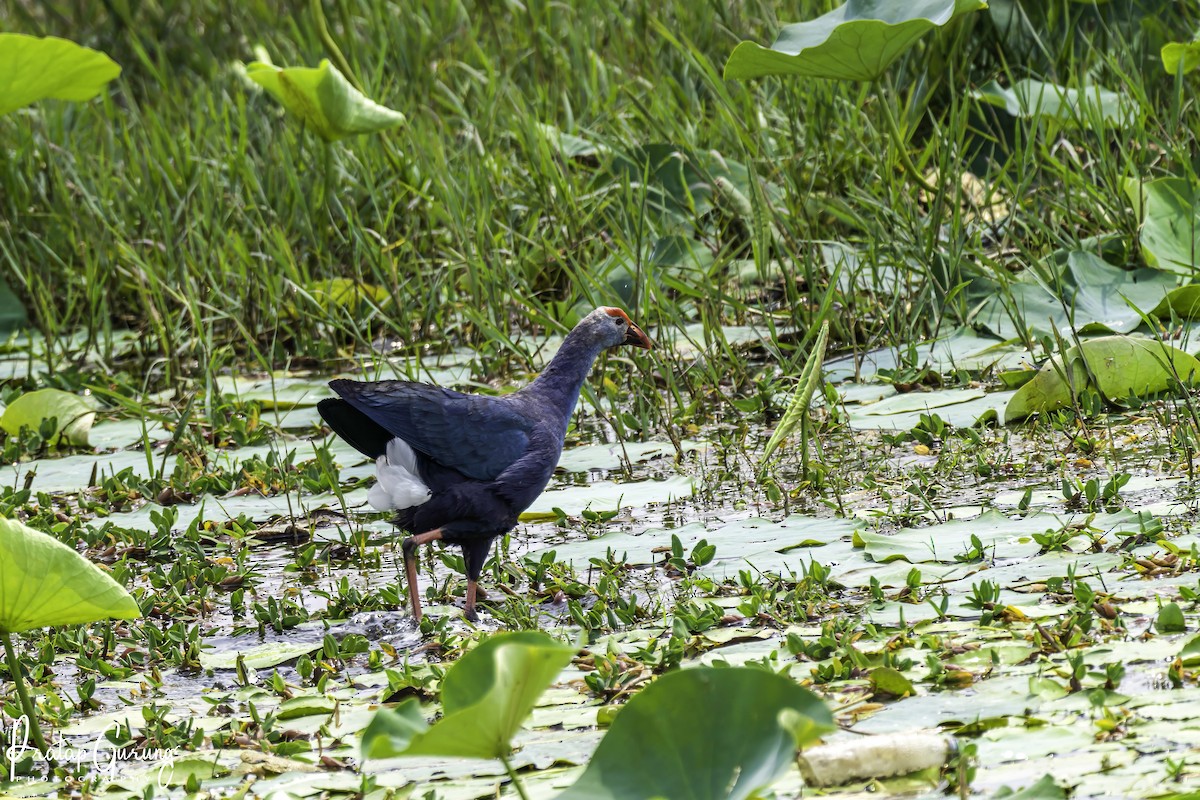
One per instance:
[(478, 436)]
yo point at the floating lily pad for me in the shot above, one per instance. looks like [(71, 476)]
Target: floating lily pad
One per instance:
[(36, 68), (257, 656), (486, 696), (607, 495), (586, 458), (43, 582), (756, 544), (673, 740), (277, 391), (73, 414), (856, 41), (324, 100), (961, 408), (1122, 367)]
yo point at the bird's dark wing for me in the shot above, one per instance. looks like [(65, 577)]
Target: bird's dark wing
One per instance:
[(475, 435)]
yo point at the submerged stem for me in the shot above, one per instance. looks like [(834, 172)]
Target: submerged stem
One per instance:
[(512, 774), (14, 669)]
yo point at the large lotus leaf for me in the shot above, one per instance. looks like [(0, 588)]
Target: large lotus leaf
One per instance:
[(1122, 366), (73, 414), (856, 41), (43, 582), (1170, 221), (1181, 57), (324, 100), (1089, 295), (486, 696), (1082, 107), (707, 733), (33, 68)]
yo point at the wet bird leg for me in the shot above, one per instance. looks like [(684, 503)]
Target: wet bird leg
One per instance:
[(472, 590), (409, 546)]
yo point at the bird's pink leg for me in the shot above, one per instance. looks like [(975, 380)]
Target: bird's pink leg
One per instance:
[(409, 546)]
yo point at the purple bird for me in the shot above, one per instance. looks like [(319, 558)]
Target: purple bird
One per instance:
[(461, 468)]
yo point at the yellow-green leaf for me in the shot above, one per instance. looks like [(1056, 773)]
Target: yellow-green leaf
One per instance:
[(33, 68), (43, 582), (323, 99), (74, 415), (1121, 366)]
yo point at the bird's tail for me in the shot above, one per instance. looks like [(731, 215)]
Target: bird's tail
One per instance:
[(398, 483)]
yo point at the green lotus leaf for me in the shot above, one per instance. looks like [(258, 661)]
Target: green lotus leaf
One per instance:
[(708, 733), (43, 582), (856, 41), (323, 99), (1081, 107), (1170, 215), (74, 415), (1122, 367), (33, 68), (486, 696), (1081, 291), (1181, 57)]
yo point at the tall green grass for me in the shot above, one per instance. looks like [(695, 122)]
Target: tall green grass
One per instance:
[(187, 207)]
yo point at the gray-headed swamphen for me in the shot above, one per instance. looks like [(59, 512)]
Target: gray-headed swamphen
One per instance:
[(461, 468)]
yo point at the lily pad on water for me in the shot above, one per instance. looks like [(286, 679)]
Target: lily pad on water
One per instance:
[(762, 544), (607, 495), (486, 696), (43, 582), (961, 408), (703, 734), (856, 41), (324, 100), (33, 68), (74, 415), (1121, 366)]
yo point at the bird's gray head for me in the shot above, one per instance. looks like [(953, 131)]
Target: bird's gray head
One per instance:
[(611, 327)]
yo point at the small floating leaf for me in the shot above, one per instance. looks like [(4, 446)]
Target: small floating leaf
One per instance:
[(73, 414), (324, 100), (43, 582), (1122, 366), (486, 696), (1046, 788), (1170, 619), (1190, 654), (888, 681), (856, 41), (703, 733), (33, 68)]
